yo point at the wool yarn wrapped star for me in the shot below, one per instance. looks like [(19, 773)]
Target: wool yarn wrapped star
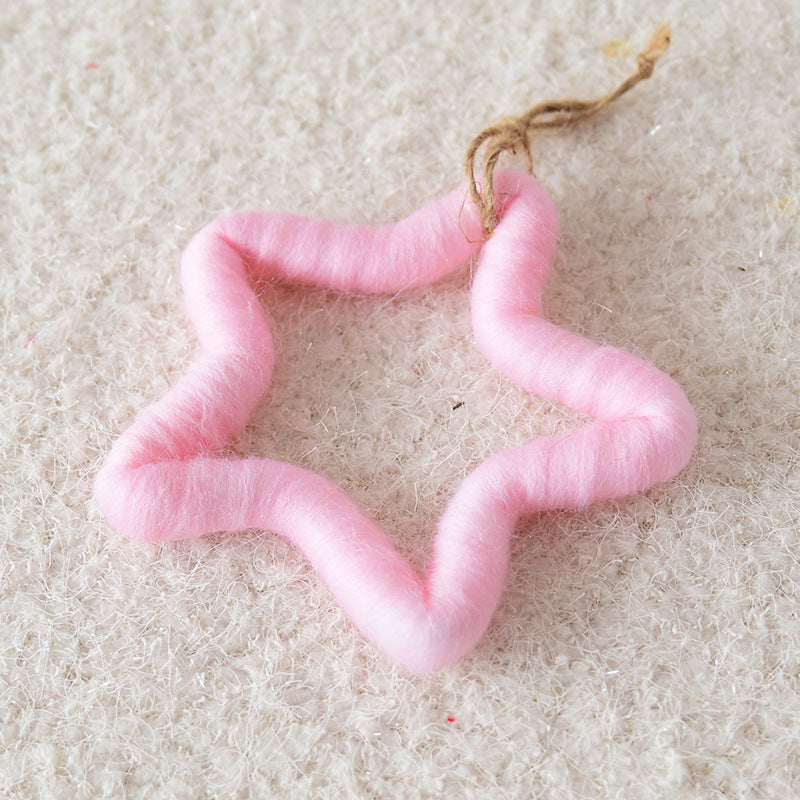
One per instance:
[(168, 476)]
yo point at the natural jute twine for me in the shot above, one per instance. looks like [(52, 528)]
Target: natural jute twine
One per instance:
[(514, 133)]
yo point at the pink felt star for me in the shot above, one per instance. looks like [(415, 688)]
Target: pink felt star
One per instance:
[(166, 479)]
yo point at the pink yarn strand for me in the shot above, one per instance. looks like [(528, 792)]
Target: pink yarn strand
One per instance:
[(164, 478)]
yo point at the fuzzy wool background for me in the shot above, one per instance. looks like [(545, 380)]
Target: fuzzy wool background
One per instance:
[(644, 648)]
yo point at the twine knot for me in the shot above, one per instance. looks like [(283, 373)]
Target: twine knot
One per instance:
[(646, 60), (513, 133), (644, 67)]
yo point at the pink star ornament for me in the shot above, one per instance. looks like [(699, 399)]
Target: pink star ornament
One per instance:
[(166, 478)]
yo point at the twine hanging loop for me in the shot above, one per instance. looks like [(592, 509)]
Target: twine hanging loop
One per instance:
[(513, 134)]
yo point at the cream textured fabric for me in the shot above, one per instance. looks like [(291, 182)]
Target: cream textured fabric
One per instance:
[(644, 648)]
